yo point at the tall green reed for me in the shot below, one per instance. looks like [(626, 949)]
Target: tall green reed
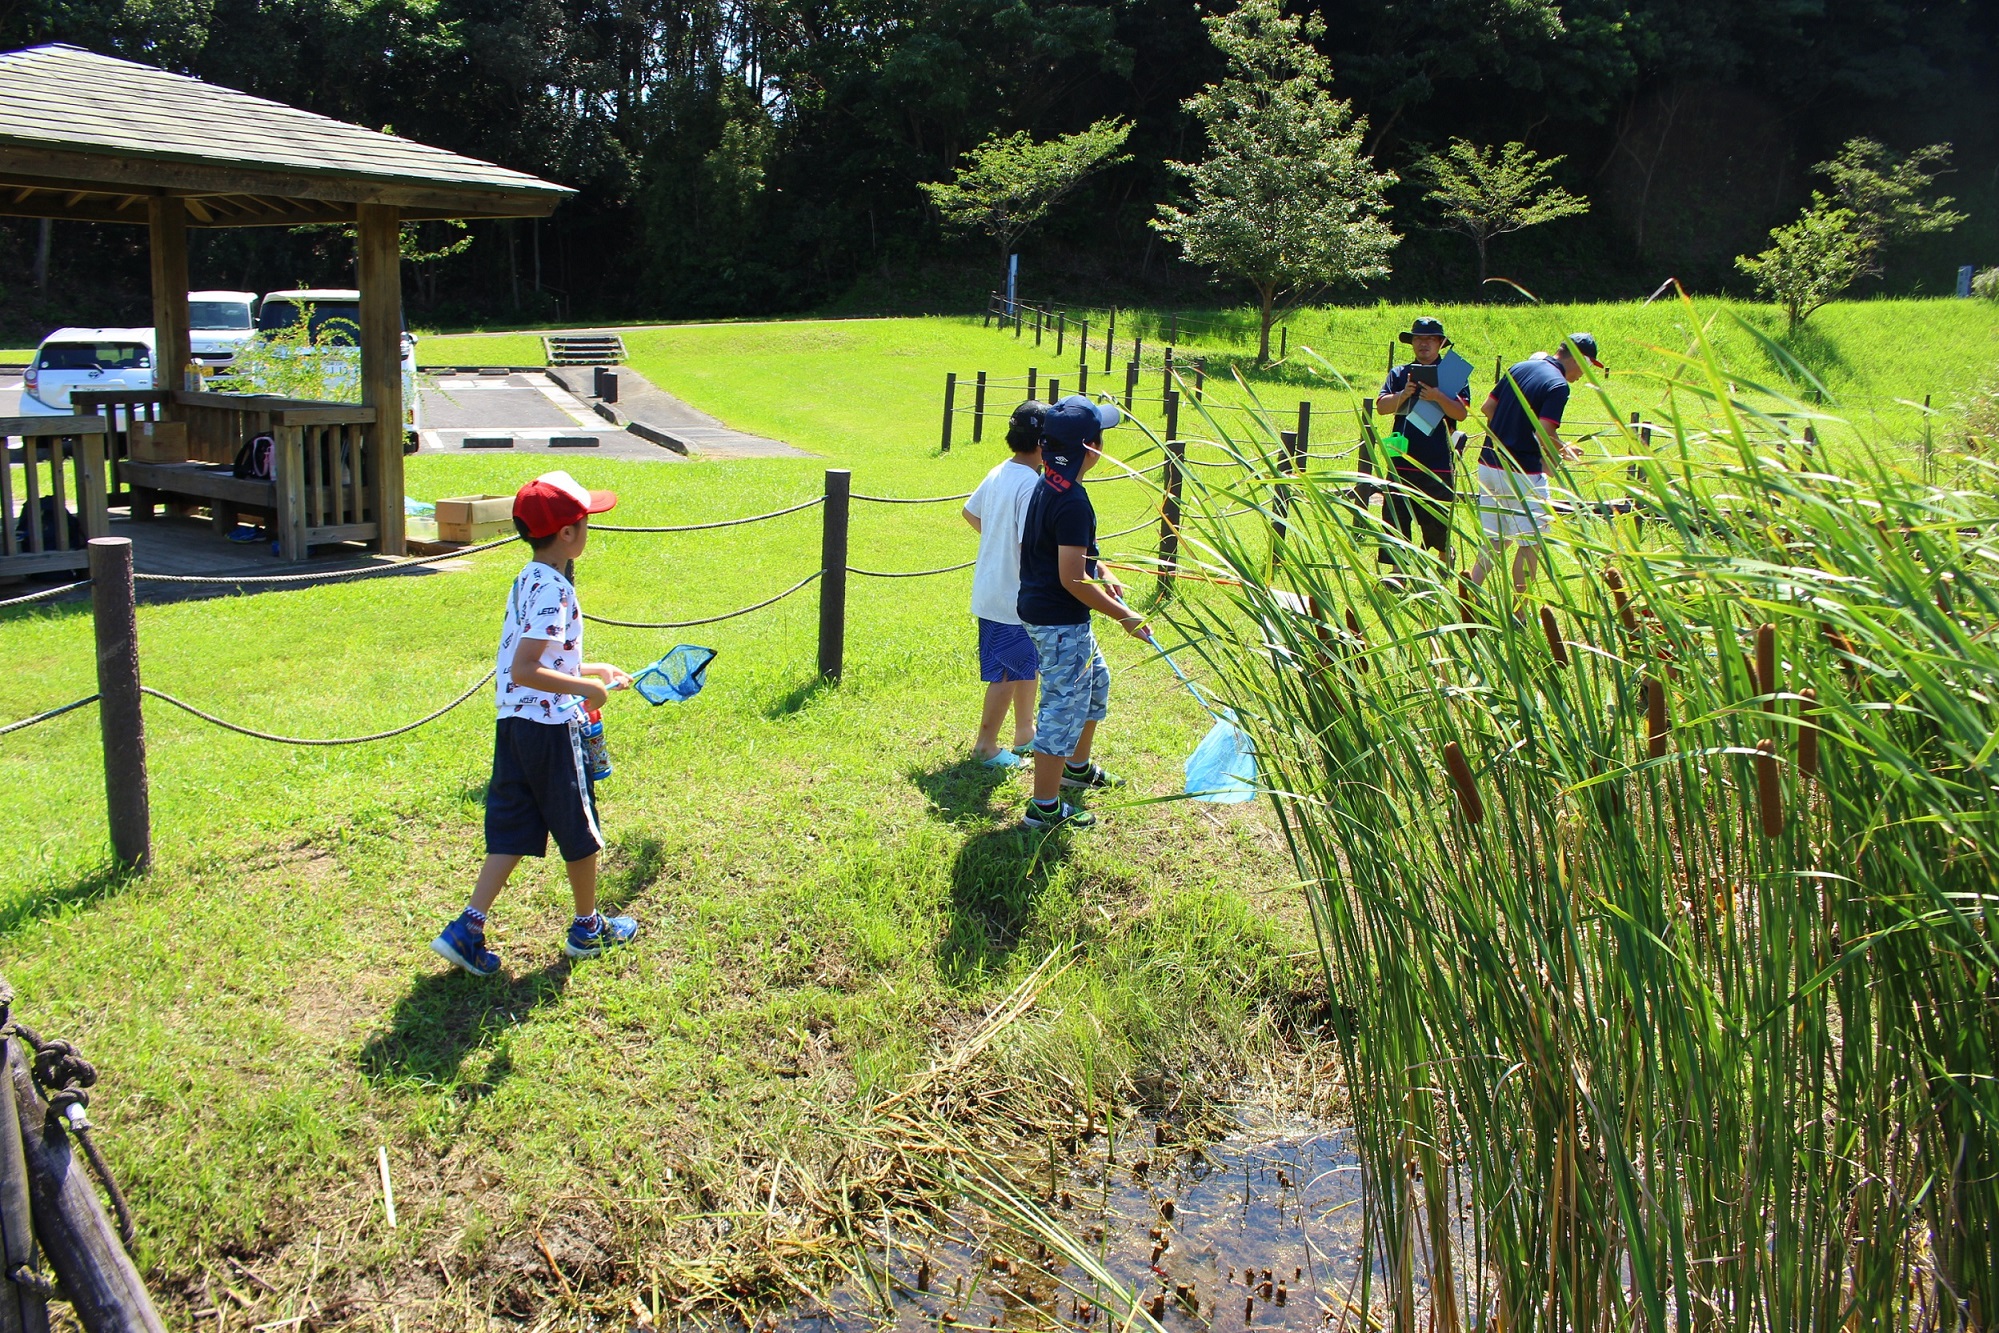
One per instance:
[(1662, 904)]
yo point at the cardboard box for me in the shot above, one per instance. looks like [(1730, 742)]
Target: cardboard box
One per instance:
[(475, 518), (157, 442)]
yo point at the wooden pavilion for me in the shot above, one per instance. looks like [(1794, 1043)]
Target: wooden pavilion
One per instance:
[(89, 138)]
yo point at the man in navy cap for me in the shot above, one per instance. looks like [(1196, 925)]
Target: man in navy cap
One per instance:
[(1060, 585), (1421, 498), (1523, 412)]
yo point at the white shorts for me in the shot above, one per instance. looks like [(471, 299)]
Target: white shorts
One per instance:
[(1512, 504)]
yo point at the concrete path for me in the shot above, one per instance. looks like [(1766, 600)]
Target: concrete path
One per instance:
[(529, 409), (662, 414)]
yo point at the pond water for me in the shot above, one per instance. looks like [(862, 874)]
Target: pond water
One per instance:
[(1259, 1229)]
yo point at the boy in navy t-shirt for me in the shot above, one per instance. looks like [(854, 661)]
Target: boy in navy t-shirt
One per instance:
[(1060, 584), (1523, 412)]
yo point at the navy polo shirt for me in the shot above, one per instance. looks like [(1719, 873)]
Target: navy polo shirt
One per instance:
[(1547, 393), (1430, 448)]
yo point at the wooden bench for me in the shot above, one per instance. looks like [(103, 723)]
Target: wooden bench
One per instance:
[(323, 489), (52, 442)]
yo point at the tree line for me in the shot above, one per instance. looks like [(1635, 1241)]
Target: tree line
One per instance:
[(736, 156)]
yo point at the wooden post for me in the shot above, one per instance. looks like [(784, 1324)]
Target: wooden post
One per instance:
[(1038, 321), (1130, 383), (288, 470), (1110, 338), (1138, 351), (1169, 516), (1391, 354), (167, 220), (1283, 341), (1018, 315), (1170, 401), (382, 364), (97, 1275), (118, 712), (833, 574), (1083, 350), (1304, 435), (1083, 379), (1200, 374), (979, 409), (1061, 328), (1166, 378), (1054, 389), (950, 406), (1033, 379)]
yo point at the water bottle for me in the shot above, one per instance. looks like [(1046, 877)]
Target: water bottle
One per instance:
[(596, 754)]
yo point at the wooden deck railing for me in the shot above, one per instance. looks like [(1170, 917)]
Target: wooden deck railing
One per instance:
[(325, 488), (36, 535)]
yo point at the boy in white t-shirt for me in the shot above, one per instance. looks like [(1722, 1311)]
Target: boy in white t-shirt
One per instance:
[(997, 511), (541, 784)]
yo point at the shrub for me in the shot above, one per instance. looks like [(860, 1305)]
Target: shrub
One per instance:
[(1985, 283)]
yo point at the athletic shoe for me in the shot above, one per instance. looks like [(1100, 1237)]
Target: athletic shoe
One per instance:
[(605, 932), (463, 943), (1063, 816), (1093, 776)]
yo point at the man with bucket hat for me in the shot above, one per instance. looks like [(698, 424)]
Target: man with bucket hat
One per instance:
[(1523, 412), (1420, 449)]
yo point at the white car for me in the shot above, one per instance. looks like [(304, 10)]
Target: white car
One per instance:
[(71, 359), (336, 320), (218, 323)]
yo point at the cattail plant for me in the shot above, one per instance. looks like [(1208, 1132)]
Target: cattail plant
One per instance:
[(1662, 1017)]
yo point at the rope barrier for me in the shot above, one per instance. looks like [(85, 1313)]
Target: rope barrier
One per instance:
[(45, 593), (908, 573), (254, 734), (705, 620), (43, 717), (1141, 527), (919, 500), (322, 577), (704, 527)]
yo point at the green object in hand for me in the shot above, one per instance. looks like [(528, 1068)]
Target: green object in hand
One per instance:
[(1397, 444)]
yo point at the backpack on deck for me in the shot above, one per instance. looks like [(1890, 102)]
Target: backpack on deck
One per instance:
[(257, 459)]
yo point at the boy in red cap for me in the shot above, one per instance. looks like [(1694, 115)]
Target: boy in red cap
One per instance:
[(541, 784)]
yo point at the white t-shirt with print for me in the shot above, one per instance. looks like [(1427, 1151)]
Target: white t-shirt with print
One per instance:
[(542, 605), (1000, 505)]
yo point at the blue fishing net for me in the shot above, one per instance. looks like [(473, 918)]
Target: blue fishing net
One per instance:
[(1222, 769), (676, 677)]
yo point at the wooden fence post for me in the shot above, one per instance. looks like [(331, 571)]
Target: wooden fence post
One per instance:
[(23, 1309), (119, 714), (1033, 378), (1200, 374), (1304, 440), (833, 574), (1110, 340), (1054, 389), (1083, 350), (1083, 379), (1018, 314), (1170, 401), (1130, 383), (1283, 341), (1169, 516), (1166, 377), (979, 409), (1037, 326), (1061, 329), (950, 406)]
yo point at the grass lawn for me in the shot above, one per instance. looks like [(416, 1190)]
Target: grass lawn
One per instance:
[(829, 893)]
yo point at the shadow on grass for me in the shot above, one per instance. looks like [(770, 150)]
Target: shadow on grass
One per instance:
[(1814, 350), (965, 789), (640, 861), (46, 900), (996, 882), (448, 1016), (798, 698)]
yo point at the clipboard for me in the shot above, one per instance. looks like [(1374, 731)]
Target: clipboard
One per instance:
[(1453, 378)]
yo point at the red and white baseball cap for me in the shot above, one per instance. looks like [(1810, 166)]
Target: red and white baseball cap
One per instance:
[(554, 500)]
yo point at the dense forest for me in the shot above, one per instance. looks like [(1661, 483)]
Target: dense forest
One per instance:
[(747, 156)]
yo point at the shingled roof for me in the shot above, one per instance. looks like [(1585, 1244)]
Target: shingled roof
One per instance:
[(91, 137)]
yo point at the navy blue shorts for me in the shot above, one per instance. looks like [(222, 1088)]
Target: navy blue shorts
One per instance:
[(540, 786), (1006, 653)]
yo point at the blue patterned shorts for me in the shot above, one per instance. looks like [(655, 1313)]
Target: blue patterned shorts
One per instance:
[(1005, 653), (1075, 686)]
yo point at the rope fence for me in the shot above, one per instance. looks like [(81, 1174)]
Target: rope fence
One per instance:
[(705, 620), (908, 573), (915, 500), (51, 713), (254, 734), (814, 502), (44, 595)]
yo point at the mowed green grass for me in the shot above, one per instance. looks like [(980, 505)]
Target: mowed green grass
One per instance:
[(826, 885)]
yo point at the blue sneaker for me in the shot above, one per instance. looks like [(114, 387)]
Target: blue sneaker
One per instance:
[(607, 932), (464, 943)]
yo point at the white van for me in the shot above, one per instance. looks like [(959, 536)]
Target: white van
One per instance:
[(217, 324), (336, 321), (85, 359)]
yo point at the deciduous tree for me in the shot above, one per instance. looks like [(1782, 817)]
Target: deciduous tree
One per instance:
[(1487, 192), (1810, 261), (1287, 198)]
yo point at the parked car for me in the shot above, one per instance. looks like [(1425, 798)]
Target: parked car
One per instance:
[(335, 323), (218, 323), (71, 359)]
